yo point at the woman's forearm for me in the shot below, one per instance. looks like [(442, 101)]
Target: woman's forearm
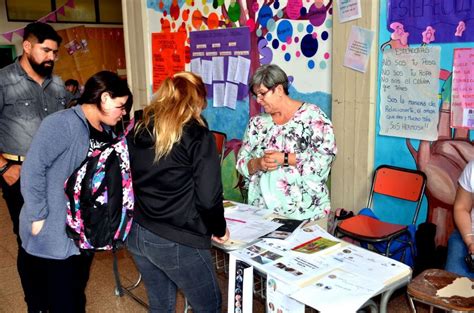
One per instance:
[(462, 216)]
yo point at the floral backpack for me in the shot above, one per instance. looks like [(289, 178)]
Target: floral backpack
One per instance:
[(100, 198)]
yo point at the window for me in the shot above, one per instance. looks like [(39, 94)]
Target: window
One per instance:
[(85, 11), (7, 55)]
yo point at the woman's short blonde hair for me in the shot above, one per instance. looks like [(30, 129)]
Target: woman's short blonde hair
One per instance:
[(178, 100)]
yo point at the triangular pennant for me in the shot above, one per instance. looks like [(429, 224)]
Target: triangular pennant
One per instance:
[(20, 32), (51, 17), (8, 36), (44, 19), (70, 3), (61, 11)]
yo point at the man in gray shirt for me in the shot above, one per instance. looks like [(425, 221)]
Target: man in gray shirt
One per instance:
[(28, 93)]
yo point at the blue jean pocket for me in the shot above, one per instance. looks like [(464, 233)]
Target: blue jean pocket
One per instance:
[(161, 252)]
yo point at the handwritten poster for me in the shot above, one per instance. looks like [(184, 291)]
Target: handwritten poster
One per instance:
[(348, 10), (224, 58), (462, 96), (409, 93), (358, 48), (167, 55)]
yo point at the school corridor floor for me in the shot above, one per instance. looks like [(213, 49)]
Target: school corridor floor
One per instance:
[(100, 292)]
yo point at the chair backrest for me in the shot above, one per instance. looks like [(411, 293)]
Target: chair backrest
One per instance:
[(220, 139), (401, 183)]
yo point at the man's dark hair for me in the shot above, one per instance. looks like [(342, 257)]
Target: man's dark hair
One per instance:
[(72, 82), (41, 31)]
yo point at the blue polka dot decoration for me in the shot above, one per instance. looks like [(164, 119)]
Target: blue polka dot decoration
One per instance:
[(276, 5), (287, 57), (264, 15), (271, 25), (284, 30), (324, 35), (311, 64), (309, 46), (269, 37), (309, 29), (328, 23), (275, 44)]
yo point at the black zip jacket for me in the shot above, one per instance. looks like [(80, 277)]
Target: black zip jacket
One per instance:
[(180, 197)]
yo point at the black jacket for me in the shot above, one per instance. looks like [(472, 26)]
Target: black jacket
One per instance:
[(179, 197)]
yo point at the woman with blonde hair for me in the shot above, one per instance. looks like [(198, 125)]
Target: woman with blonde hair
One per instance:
[(178, 197)]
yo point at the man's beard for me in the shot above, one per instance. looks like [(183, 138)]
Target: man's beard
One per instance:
[(41, 68)]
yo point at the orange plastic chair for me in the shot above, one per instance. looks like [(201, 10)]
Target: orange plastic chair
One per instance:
[(220, 139), (391, 181)]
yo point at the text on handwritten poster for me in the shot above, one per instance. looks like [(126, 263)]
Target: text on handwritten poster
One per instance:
[(409, 93)]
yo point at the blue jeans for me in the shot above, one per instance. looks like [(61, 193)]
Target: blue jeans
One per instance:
[(166, 266), (457, 251)]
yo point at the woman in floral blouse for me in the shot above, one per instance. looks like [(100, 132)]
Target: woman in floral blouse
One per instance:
[(287, 151)]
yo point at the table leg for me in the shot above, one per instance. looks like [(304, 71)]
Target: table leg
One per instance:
[(371, 305), (384, 300)]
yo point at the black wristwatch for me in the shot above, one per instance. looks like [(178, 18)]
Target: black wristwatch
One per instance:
[(285, 160)]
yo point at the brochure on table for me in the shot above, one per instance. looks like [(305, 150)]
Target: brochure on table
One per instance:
[(326, 293), (340, 271), (246, 225), (277, 299)]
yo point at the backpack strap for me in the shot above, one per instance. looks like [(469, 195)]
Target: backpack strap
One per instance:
[(118, 284), (130, 125)]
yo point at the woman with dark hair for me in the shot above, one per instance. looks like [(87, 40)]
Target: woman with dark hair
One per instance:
[(178, 198), (287, 151), (63, 140), (461, 242)]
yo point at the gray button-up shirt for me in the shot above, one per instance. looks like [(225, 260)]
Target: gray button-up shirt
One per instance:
[(24, 104)]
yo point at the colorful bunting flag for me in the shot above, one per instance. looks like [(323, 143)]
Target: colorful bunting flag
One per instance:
[(20, 32), (70, 3), (61, 11), (51, 17), (8, 36)]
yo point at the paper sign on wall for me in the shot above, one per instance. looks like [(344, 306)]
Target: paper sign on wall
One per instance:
[(462, 95), (167, 55), (409, 93), (358, 48), (224, 58), (348, 10)]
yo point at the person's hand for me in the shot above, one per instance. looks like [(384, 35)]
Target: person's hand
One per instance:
[(36, 227), (273, 159), (12, 174), (222, 239), (470, 248)]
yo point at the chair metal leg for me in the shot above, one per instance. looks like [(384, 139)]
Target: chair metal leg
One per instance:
[(186, 305), (128, 292), (412, 304)]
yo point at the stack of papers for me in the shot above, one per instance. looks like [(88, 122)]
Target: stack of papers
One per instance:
[(246, 225), (319, 269)]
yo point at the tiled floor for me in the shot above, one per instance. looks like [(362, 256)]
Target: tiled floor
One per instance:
[(101, 288)]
